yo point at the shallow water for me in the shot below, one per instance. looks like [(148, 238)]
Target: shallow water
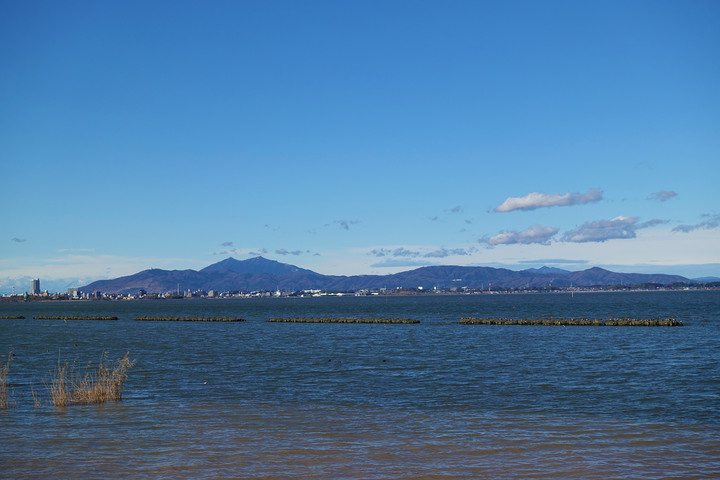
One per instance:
[(431, 400)]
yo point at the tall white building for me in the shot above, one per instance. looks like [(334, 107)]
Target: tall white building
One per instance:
[(35, 287)]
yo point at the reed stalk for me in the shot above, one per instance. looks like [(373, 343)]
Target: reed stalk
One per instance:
[(4, 392), (36, 398)]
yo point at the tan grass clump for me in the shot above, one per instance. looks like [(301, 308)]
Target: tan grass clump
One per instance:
[(4, 369), (103, 385)]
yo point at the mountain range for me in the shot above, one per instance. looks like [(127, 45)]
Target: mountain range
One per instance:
[(260, 273)]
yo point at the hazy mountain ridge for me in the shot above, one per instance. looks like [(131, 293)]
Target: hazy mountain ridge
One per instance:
[(262, 274)]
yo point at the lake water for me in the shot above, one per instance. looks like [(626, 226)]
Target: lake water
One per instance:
[(432, 400)]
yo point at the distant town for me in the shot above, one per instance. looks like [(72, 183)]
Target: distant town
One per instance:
[(36, 294)]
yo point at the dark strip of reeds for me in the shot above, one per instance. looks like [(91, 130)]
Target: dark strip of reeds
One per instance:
[(12, 317), (189, 319), (342, 320), (72, 317), (103, 385), (4, 370), (592, 322)]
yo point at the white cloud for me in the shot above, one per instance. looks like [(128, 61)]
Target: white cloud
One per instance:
[(534, 200), (533, 234), (602, 230)]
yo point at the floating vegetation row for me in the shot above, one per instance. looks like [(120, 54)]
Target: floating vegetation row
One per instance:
[(590, 322), (12, 317), (342, 320), (189, 319), (72, 317)]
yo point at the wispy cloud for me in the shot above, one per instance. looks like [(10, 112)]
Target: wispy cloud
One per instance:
[(534, 200), (394, 263), (713, 221), (394, 252), (533, 234), (456, 209), (344, 224), (662, 195), (603, 230), (240, 251), (402, 252), (227, 244), (449, 252), (282, 251), (554, 261), (652, 223), (18, 240)]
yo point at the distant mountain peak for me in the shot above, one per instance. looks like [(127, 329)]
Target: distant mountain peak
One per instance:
[(547, 270), (260, 273), (254, 265)]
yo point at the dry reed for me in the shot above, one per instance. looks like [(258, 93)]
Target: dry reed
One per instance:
[(103, 385), (4, 392), (36, 398)]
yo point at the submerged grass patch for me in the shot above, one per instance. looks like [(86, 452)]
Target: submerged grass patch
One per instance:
[(12, 317), (342, 320), (94, 386)]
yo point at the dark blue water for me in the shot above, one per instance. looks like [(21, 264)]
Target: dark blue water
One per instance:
[(435, 399)]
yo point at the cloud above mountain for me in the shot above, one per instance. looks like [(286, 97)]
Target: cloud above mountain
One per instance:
[(534, 200), (402, 252), (533, 234), (283, 252), (603, 230)]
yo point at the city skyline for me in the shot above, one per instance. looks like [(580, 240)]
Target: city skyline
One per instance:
[(358, 137)]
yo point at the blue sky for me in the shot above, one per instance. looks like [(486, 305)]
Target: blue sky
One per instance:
[(358, 136)]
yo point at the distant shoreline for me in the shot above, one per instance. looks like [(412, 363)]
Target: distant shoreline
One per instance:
[(392, 293)]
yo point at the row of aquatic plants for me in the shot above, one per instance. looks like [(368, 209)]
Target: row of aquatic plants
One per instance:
[(73, 317), (341, 320), (189, 319), (591, 322), (12, 317), (75, 387)]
